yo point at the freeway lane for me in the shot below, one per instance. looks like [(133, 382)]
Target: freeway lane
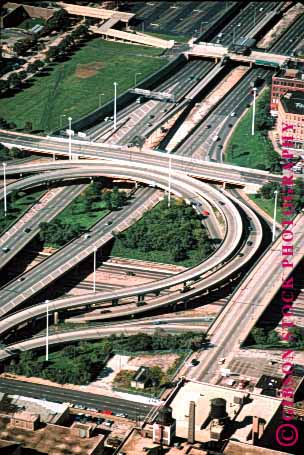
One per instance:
[(247, 305), (40, 276), (62, 395), (16, 238), (194, 167)]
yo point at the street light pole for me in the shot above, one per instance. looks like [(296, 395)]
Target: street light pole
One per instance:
[(70, 138), (47, 332), (135, 78), (274, 215), (100, 95), (115, 106), (94, 269), (169, 182), (4, 188), (253, 111), (61, 117)]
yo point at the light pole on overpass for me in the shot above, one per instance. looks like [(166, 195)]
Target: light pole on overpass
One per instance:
[(94, 269), (115, 106), (47, 332), (135, 78), (61, 117), (253, 111), (70, 138), (169, 180), (100, 95), (274, 215), (238, 25), (4, 188)]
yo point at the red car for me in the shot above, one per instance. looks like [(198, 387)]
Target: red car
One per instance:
[(107, 412), (205, 213)]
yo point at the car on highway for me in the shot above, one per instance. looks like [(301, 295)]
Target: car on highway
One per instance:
[(233, 114), (5, 249), (249, 243), (108, 223), (86, 236), (205, 213), (121, 414), (107, 412), (221, 360), (27, 230), (22, 278), (194, 362)]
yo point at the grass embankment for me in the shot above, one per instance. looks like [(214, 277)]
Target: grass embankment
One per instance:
[(253, 151), (267, 205), (73, 87), (173, 236), (16, 206), (167, 36)]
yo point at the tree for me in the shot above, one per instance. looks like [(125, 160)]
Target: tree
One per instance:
[(4, 85), (14, 80), (28, 126), (52, 53)]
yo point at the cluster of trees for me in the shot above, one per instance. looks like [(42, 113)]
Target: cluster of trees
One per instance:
[(175, 230), (60, 21), (80, 364), (11, 153), (22, 46), (15, 79), (68, 42), (263, 338), (73, 364), (159, 341), (60, 231), (267, 192)]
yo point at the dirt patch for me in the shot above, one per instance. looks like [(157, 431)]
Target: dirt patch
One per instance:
[(164, 361), (85, 71)]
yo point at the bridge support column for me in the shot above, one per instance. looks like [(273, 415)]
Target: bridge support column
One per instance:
[(56, 317), (157, 293), (224, 185), (140, 298), (114, 302), (185, 304)]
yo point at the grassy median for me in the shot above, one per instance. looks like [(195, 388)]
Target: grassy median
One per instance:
[(73, 87)]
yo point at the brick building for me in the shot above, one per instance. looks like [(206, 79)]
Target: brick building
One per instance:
[(288, 80), (291, 111)]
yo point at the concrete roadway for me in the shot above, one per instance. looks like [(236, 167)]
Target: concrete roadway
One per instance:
[(181, 185), (203, 169), (217, 276), (247, 305), (18, 238), (101, 402)]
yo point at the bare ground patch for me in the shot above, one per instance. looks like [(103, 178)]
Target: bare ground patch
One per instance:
[(164, 361), (87, 70)]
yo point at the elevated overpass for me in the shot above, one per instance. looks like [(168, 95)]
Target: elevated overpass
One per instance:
[(138, 38), (217, 52), (96, 13), (210, 171)]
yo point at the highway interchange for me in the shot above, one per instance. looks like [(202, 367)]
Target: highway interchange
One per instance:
[(150, 167)]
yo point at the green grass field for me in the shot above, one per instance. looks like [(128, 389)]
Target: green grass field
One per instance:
[(73, 87), (267, 205), (246, 150), (16, 208), (177, 38)]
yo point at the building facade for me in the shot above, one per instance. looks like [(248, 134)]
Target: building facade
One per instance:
[(290, 80), (291, 111)]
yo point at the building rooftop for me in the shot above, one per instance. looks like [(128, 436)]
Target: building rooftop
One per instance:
[(238, 448), (51, 439), (293, 103), (241, 415)]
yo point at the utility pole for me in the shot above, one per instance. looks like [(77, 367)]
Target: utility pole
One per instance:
[(274, 215), (70, 138), (47, 332), (169, 180), (94, 269), (253, 111), (135, 78), (115, 106), (100, 95), (4, 188)]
